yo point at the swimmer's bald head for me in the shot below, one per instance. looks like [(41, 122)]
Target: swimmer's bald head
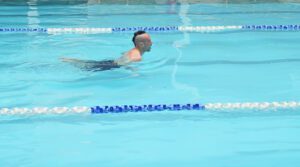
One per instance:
[(142, 40), (136, 34)]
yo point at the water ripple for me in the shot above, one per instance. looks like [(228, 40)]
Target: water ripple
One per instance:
[(231, 62)]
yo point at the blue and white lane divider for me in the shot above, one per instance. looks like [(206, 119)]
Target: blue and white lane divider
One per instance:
[(153, 108), (161, 29)]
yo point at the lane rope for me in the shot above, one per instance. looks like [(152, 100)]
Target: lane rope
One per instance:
[(159, 29), (263, 106)]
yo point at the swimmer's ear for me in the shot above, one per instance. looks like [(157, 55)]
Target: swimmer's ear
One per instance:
[(141, 44)]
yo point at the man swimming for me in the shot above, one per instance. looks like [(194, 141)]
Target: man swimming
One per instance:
[(142, 43)]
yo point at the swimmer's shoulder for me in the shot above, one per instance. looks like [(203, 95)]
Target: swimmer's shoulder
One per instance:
[(134, 55), (128, 57), (123, 60)]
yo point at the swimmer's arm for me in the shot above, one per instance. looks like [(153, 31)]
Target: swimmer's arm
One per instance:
[(78, 62), (73, 60)]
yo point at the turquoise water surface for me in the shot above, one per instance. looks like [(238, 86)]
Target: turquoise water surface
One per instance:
[(181, 68)]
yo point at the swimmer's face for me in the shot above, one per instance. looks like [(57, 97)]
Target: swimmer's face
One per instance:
[(144, 42), (148, 43)]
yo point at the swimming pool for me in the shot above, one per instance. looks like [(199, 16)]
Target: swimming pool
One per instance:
[(183, 67)]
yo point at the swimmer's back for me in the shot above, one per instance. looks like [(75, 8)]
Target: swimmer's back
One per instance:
[(109, 64)]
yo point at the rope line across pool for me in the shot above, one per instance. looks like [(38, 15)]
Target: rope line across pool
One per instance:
[(159, 29), (152, 108)]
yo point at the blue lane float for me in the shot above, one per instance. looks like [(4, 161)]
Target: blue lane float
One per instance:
[(39, 30), (153, 29), (148, 29), (272, 27), (145, 108)]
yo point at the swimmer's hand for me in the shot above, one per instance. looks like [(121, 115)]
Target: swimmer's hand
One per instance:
[(70, 60), (133, 69)]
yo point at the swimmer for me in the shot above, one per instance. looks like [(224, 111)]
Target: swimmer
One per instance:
[(142, 43)]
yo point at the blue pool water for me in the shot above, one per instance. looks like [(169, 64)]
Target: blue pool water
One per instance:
[(181, 68)]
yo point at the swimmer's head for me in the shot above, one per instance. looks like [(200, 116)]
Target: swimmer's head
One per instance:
[(142, 41)]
